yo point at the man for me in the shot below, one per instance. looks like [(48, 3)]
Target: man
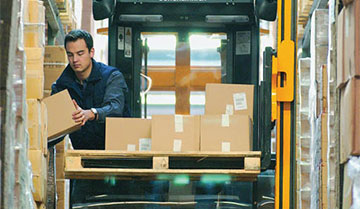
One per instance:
[(97, 90)]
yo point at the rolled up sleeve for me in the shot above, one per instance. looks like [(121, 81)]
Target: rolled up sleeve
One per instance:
[(114, 98)]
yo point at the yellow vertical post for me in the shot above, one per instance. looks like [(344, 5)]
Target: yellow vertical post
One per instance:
[(284, 84)]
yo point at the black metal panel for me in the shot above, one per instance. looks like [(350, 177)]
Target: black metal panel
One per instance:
[(137, 52), (185, 14), (229, 59), (265, 123), (128, 66), (246, 70), (227, 2)]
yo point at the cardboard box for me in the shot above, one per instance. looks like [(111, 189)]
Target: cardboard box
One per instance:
[(52, 73), (39, 170), (128, 134), (340, 80), (34, 12), (347, 188), (226, 133), (37, 125), (176, 133), (34, 35), (34, 58), (55, 54), (350, 119), (228, 99), (60, 108), (44, 127), (34, 84), (352, 40), (34, 123)]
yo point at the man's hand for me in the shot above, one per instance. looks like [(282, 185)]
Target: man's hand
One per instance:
[(81, 116)]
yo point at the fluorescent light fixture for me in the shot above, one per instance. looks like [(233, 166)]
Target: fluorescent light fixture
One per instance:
[(141, 18), (226, 18)]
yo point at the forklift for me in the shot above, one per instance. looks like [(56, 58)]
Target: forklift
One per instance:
[(235, 25)]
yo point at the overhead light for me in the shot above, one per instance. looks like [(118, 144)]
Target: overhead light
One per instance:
[(226, 18), (141, 18)]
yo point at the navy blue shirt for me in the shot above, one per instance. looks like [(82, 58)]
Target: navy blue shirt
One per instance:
[(104, 90)]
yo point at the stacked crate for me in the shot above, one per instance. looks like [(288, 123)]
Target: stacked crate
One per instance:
[(21, 196), (319, 54), (348, 83), (303, 134), (34, 41)]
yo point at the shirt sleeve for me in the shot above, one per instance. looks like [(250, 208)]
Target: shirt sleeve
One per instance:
[(114, 98), (54, 89)]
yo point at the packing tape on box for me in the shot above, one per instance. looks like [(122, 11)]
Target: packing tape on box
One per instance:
[(225, 120), (240, 101), (144, 144), (229, 109), (177, 145), (225, 146), (131, 147), (179, 123)]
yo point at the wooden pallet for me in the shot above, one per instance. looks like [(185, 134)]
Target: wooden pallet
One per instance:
[(81, 164), (304, 8)]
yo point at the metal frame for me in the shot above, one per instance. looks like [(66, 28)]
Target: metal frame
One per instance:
[(284, 74), (236, 71)]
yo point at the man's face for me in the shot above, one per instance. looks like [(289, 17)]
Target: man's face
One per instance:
[(79, 56)]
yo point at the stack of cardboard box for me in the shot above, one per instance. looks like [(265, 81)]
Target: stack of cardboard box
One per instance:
[(55, 61), (34, 41), (348, 82), (225, 127), (319, 54), (67, 14)]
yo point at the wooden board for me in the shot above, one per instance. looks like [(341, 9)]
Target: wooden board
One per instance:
[(162, 163)]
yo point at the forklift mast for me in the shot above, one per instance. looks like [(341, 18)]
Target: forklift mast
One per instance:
[(239, 21)]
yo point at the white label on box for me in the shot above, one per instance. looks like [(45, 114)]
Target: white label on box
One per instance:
[(179, 123), (131, 147), (229, 109), (225, 120), (225, 146), (177, 145), (144, 144), (240, 101)]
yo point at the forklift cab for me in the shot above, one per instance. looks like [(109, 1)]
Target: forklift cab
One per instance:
[(181, 46)]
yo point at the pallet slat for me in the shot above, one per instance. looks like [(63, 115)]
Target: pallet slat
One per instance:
[(116, 154)]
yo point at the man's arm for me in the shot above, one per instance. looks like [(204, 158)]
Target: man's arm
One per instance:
[(114, 98)]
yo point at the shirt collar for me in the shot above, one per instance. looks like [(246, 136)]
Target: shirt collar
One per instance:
[(95, 72)]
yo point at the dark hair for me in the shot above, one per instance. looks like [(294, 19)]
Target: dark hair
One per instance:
[(79, 34)]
